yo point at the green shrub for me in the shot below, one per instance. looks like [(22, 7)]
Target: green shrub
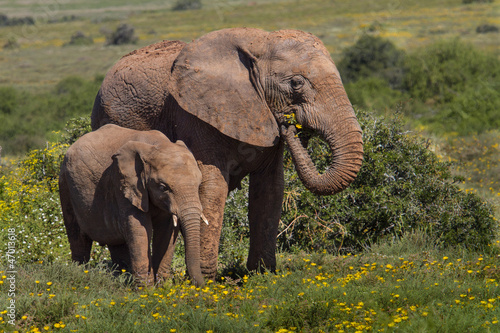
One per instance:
[(29, 203), (75, 128), (11, 44), (458, 83), (443, 70), (79, 38), (29, 200), (373, 93), (401, 187), (486, 28), (124, 34), (372, 56), (27, 120), (476, 1), (8, 100), (187, 5), (6, 21)]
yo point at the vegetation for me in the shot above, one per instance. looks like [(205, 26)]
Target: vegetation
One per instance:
[(372, 56), (454, 87), (403, 286), (402, 186), (477, 1), (79, 38), (27, 120), (410, 246), (11, 44), (6, 21), (462, 82), (486, 28), (124, 34), (187, 5)]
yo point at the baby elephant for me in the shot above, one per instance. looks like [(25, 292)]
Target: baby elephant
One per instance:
[(122, 187)]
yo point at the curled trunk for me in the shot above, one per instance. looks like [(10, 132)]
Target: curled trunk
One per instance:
[(344, 139)]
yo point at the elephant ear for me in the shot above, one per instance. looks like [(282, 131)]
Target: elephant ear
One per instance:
[(216, 78), (130, 177)]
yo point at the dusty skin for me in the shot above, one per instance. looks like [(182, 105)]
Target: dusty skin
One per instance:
[(229, 96), (121, 187)]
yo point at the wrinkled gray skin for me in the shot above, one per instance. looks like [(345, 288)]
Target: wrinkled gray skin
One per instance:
[(122, 188), (226, 95)]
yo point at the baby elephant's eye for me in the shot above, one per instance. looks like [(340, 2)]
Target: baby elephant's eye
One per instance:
[(297, 82)]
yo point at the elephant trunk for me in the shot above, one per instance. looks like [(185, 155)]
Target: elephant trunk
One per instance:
[(344, 139), (190, 219)]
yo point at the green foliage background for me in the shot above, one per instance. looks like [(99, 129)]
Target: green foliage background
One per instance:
[(402, 187), (28, 119), (449, 86)]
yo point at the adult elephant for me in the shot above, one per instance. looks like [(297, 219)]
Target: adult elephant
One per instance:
[(229, 96)]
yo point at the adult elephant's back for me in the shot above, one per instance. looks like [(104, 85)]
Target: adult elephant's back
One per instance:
[(135, 89)]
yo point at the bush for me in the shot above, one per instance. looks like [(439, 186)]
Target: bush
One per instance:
[(372, 56), (401, 187), (486, 28), (8, 100), (75, 128), (5, 21), (29, 203), (187, 5), (29, 200), (11, 43), (459, 82), (27, 120), (476, 1), (124, 34), (373, 93), (79, 38)]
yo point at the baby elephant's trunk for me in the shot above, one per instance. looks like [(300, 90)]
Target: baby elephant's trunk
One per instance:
[(190, 219)]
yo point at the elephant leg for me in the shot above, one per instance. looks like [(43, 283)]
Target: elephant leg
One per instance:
[(213, 194), (164, 239), (120, 256), (264, 211), (79, 243), (138, 240), (81, 247)]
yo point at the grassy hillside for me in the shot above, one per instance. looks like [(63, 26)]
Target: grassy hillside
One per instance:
[(41, 60)]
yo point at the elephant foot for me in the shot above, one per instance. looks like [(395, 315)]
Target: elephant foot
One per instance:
[(261, 264), (162, 277), (144, 280)]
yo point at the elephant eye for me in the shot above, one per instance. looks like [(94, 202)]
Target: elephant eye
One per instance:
[(164, 187), (297, 82)]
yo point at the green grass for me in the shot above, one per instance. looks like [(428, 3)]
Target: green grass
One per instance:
[(41, 60), (403, 286), (478, 157)]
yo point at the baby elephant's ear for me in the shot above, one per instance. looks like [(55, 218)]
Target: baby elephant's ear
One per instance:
[(130, 178)]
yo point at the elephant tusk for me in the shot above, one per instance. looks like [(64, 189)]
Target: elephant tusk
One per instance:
[(174, 218), (204, 218)]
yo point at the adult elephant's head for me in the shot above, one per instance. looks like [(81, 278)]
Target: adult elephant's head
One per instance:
[(245, 82)]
